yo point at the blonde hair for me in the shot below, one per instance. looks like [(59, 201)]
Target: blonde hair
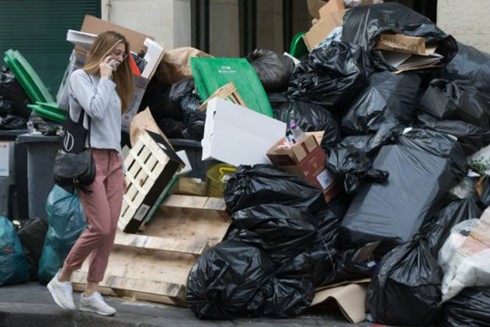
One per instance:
[(102, 47)]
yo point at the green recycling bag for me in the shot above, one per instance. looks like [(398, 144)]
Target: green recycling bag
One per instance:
[(212, 73), (13, 263)]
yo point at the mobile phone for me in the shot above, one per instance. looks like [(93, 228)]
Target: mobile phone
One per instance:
[(113, 64)]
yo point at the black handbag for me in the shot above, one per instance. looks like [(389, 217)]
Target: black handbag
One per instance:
[(74, 166)]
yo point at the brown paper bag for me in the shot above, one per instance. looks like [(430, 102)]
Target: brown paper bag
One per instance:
[(175, 64)]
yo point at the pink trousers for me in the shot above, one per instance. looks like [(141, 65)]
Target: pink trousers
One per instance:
[(101, 208)]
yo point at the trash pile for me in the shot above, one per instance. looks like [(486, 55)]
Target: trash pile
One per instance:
[(362, 161)]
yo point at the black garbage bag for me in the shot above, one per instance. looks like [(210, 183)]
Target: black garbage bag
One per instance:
[(172, 129), (309, 117), (363, 24), (439, 144), (422, 169), (45, 127), (371, 143), (289, 298), (469, 308), (32, 233), (10, 122), (456, 100), (353, 167), (388, 98), (327, 243), (157, 98), (332, 76), (281, 231), (261, 184), (13, 98), (274, 69), (471, 137), (438, 230), (470, 64), (230, 280), (406, 288), (13, 264), (183, 93)]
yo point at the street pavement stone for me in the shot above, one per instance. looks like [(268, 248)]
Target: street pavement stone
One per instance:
[(31, 305)]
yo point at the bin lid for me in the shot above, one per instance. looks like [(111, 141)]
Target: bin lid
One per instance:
[(27, 77), (49, 111), (38, 138)]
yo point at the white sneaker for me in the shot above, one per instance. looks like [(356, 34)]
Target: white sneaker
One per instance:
[(62, 293), (95, 303)]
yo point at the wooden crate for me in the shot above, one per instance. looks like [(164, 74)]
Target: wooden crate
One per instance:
[(227, 92), (153, 265), (151, 165)]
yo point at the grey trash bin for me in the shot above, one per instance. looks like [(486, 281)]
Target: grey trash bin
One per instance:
[(41, 151)]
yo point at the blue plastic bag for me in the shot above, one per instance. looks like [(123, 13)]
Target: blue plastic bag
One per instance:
[(66, 223), (13, 263)]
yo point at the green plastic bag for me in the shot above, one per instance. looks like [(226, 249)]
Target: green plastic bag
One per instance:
[(13, 263), (66, 222), (212, 73)]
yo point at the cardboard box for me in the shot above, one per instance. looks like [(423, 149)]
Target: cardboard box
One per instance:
[(331, 16), (96, 26), (7, 158), (237, 135), (151, 166), (191, 186), (307, 160)]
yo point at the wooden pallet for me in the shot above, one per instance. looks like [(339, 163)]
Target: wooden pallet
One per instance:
[(153, 265), (227, 92)]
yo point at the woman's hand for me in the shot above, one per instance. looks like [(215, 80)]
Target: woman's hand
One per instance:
[(106, 68)]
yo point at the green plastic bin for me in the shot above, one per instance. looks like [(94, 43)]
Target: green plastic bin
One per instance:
[(27, 77), (212, 73)]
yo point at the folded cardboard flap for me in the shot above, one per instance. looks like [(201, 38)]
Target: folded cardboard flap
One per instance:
[(308, 161), (96, 26), (331, 16), (349, 298)]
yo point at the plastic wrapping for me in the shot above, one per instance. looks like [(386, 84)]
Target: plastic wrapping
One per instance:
[(332, 76), (388, 97), (274, 69), (66, 222), (465, 257), (419, 179), (261, 184), (405, 290), (363, 24), (13, 263)]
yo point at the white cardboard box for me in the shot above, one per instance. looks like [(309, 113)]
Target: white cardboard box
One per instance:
[(6, 158), (237, 135)]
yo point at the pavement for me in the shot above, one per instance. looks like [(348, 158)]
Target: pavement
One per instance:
[(31, 305)]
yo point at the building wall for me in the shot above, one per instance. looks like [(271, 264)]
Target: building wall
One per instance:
[(467, 21), (168, 21)]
